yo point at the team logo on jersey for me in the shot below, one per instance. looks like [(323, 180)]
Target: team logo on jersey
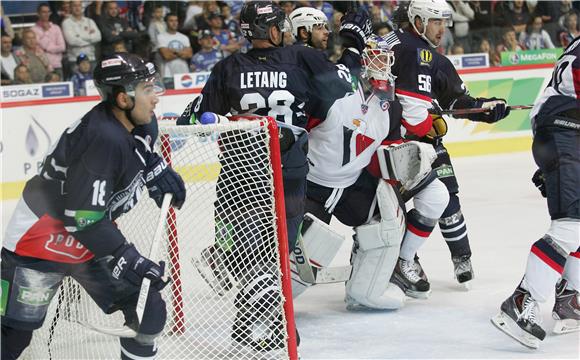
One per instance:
[(384, 105), (424, 57), (364, 108)]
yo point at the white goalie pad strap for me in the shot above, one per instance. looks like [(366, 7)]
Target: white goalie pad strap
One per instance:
[(408, 163), (378, 250)]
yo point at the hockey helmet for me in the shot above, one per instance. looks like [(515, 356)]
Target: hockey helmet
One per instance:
[(122, 72), (256, 18), (429, 9), (377, 60), (307, 17)]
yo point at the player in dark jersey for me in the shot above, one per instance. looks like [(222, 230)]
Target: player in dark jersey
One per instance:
[(290, 84), (448, 89), (63, 224), (556, 127)]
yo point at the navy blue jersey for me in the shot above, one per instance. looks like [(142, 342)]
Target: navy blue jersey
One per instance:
[(287, 83), (414, 68), (92, 175)]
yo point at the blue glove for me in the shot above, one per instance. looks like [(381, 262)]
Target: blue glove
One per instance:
[(498, 110), (355, 29), (538, 180), (161, 179), (128, 264)]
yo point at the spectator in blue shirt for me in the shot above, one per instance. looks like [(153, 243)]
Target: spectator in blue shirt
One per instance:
[(81, 75), (208, 55)]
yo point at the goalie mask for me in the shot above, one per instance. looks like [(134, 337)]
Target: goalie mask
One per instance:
[(377, 61)]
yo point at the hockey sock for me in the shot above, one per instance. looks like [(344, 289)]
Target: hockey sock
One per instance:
[(454, 229), (572, 271), (419, 228), (544, 267)]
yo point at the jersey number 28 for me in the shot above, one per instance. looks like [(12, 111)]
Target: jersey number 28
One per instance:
[(278, 101)]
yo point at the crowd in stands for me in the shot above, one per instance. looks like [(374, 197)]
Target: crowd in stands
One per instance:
[(68, 37)]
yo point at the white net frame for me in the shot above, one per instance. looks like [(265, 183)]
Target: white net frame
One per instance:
[(246, 207)]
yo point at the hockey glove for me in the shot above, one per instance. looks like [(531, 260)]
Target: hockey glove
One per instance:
[(538, 180), (498, 110), (161, 179), (129, 265), (355, 29)]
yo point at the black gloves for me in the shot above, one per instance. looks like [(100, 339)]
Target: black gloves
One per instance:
[(161, 179), (355, 29), (538, 180), (128, 264), (498, 110)]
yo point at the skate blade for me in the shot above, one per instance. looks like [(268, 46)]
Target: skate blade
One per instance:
[(465, 286), (566, 326), (206, 272), (509, 327), (421, 295)]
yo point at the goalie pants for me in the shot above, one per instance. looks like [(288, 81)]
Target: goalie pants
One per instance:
[(354, 205), (29, 284)]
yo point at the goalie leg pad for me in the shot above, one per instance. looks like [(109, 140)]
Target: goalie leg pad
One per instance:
[(408, 163), (376, 253), (320, 244)]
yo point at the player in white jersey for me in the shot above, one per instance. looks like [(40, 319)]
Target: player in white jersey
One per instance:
[(340, 149), (555, 258)]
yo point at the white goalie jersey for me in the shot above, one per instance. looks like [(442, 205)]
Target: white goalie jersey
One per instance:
[(343, 144)]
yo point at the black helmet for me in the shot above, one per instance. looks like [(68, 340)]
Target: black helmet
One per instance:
[(400, 15), (121, 72), (257, 17)]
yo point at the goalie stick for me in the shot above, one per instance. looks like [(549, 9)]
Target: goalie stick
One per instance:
[(126, 331), (480, 110)]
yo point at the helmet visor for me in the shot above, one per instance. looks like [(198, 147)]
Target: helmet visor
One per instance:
[(151, 86)]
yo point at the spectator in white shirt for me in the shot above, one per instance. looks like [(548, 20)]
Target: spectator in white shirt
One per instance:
[(81, 35), (8, 61), (174, 48), (535, 37), (156, 25)]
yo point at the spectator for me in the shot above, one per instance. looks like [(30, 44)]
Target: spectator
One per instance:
[(510, 43), (227, 39), (115, 29), (5, 23), (382, 28), (62, 12), (288, 6), (119, 47), (52, 76), (193, 10), (230, 23), (156, 25), (462, 14), (201, 20), (514, 13), (81, 35), (566, 7), (174, 48), (536, 37), (50, 39), (22, 75), (571, 29), (457, 49), (325, 7), (33, 57), (81, 75), (8, 61), (486, 48), (208, 56)]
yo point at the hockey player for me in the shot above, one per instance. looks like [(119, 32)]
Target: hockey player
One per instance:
[(288, 84), (445, 85), (556, 127), (341, 147), (310, 27), (64, 223)]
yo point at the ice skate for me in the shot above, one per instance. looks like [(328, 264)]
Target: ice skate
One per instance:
[(520, 319), (463, 270), (419, 269), (407, 278), (566, 309), (211, 265)]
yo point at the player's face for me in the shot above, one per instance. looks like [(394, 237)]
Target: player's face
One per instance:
[(146, 98), (319, 36), (435, 30)]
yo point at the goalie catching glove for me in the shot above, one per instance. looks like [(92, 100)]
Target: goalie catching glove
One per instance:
[(128, 264), (162, 179), (355, 29)]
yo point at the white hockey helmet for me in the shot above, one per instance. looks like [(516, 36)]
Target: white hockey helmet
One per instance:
[(307, 17), (377, 60), (429, 9)]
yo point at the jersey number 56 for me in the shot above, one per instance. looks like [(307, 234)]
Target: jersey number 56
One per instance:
[(424, 82)]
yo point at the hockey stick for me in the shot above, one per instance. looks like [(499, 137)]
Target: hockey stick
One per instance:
[(481, 110), (315, 274), (126, 331)]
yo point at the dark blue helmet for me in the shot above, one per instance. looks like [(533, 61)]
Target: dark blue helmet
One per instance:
[(257, 17)]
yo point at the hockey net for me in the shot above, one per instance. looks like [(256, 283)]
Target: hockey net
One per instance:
[(229, 234)]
